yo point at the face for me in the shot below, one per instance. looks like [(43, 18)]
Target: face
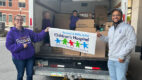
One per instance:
[(47, 15), (74, 13), (116, 16), (18, 22)]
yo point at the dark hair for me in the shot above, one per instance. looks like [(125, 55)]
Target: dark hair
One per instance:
[(117, 9), (74, 11)]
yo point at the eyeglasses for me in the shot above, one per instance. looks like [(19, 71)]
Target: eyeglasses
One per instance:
[(19, 20), (116, 15)]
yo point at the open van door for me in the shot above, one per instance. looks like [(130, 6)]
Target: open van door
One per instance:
[(124, 7)]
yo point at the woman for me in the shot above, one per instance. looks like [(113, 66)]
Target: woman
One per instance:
[(19, 43)]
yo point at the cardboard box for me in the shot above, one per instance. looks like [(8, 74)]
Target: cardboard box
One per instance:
[(99, 51), (57, 50), (108, 25), (105, 33), (85, 23), (100, 11), (100, 48), (71, 52), (85, 15), (100, 14), (92, 30), (62, 21)]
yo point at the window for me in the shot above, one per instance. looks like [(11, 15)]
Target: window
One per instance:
[(10, 18), (4, 17), (22, 4), (2, 2), (24, 19), (10, 3)]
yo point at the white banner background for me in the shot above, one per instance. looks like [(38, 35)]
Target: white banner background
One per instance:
[(74, 40)]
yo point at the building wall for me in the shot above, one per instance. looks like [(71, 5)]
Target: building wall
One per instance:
[(15, 10)]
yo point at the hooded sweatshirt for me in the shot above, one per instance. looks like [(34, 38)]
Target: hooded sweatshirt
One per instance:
[(121, 40), (73, 21), (45, 23), (16, 38)]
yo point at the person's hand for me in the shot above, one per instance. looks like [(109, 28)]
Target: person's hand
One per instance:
[(99, 34), (25, 45), (120, 60), (47, 29)]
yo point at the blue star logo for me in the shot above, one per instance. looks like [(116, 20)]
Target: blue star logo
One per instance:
[(57, 40), (85, 45)]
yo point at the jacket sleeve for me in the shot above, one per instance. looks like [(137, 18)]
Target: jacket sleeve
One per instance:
[(104, 38), (11, 44), (131, 42), (36, 37)]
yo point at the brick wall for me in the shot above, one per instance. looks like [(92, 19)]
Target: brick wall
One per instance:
[(15, 10)]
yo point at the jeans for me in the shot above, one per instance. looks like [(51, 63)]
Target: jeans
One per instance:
[(117, 70), (21, 65)]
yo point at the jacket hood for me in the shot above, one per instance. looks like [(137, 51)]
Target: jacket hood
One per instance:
[(15, 29)]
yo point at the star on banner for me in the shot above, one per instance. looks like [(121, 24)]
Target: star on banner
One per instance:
[(65, 41), (71, 43), (57, 40), (85, 45), (77, 44)]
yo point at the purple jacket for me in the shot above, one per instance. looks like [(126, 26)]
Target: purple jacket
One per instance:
[(73, 21), (45, 23), (15, 40)]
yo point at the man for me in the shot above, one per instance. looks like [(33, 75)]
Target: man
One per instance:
[(19, 42), (121, 39)]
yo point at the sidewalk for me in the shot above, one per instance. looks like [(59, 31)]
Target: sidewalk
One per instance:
[(2, 38)]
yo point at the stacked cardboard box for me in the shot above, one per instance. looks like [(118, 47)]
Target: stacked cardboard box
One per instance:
[(87, 25), (100, 49), (62, 21), (100, 14), (65, 52), (92, 30), (57, 50), (71, 52), (108, 25), (85, 15)]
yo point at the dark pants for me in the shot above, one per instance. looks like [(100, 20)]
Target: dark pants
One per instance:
[(21, 65), (47, 39)]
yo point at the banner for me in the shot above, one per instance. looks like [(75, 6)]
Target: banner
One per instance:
[(74, 40)]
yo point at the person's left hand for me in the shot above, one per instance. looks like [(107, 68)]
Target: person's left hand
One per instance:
[(47, 29), (120, 60)]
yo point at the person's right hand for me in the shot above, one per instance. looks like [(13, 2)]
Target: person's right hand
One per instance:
[(25, 45), (99, 34)]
